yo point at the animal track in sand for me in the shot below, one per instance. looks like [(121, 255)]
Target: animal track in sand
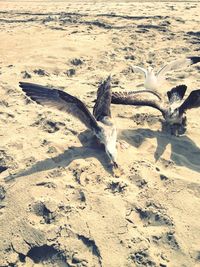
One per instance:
[(6, 161), (116, 187), (7, 117), (142, 258), (46, 255), (77, 61), (151, 216), (70, 72), (26, 75), (43, 209), (47, 184), (166, 238), (48, 125), (2, 192), (142, 118), (41, 72)]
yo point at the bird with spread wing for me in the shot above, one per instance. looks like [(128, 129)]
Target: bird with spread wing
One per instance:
[(100, 122), (154, 80), (173, 110)]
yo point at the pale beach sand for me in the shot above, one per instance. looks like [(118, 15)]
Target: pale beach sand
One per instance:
[(60, 204)]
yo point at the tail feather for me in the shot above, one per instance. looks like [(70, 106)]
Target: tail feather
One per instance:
[(177, 93)]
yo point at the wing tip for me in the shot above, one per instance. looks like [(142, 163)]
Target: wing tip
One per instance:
[(194, 59), (181, 86), (177, 90), (107, 81), (21, 84), (24, 85)]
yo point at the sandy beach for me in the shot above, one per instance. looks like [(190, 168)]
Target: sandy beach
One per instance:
[(60, 203)]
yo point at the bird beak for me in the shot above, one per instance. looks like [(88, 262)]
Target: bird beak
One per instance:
[(115, 165)]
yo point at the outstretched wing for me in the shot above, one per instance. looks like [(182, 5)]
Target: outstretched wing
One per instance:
[(102, 105), (128, 98), (177, 64), (192, 101), (60, 100), (177, 93), (145, 91), (139, 69)]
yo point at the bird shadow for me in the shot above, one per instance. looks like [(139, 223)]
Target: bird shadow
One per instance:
[(89, 149), (184, 152)]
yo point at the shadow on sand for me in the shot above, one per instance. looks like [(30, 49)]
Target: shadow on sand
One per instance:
[(89, 149), (184, 152)]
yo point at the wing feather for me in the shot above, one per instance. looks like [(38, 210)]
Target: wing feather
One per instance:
[(60, 100), (102, 105), (139, 69), (142, 91), (127, 98), (177, 64), (192, 101), (177, 93)]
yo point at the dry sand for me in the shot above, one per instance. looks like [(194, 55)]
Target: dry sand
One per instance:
[(60, 203)]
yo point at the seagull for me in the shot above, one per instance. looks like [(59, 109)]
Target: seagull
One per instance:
[(154, 80), (100, 122), (173, 110)]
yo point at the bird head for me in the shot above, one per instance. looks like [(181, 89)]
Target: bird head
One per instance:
[(108, 136), (111, 151)]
